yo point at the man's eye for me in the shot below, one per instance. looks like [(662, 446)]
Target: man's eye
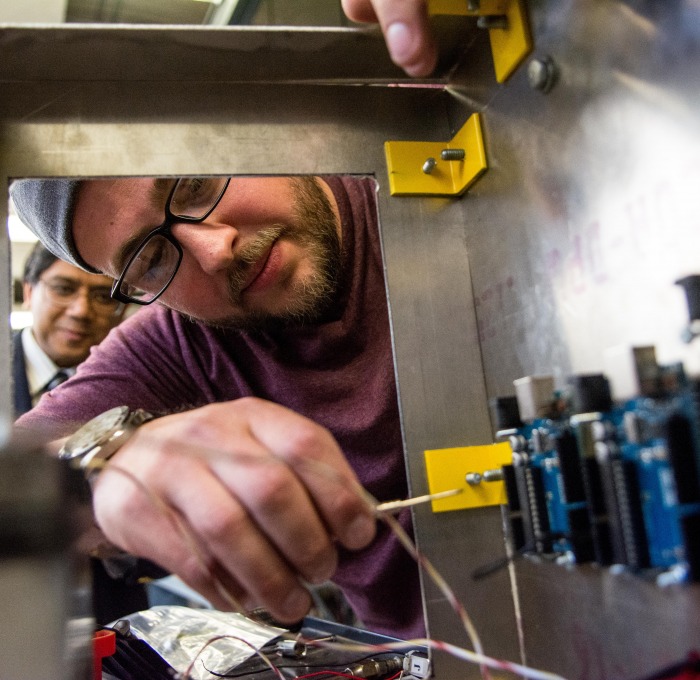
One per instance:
[(62, 290), (194, 196), (153, 265), (102, 297), (148, 260), (194, 184)]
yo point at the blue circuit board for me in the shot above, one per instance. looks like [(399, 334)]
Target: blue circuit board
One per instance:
[(617, 487)]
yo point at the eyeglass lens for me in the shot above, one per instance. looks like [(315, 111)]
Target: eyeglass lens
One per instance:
[(156, 261), (194, 197), (151, 269), (65, 293)]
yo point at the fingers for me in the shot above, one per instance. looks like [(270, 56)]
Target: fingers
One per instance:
[(247, 556), (319, 464), (247, 490), (214, 546), (406, 31)]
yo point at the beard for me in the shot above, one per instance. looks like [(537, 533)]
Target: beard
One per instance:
[(314, 228)]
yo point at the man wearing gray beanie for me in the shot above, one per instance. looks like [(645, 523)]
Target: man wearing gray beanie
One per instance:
[(271, 351), (255, 399)]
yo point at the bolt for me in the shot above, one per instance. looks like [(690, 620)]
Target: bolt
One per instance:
[(542, 74), (452, 154), (473, 5), (473, 478), (492, 21), (495, 475), (429, 165)]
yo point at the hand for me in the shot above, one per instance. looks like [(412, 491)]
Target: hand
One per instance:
[(406, 31), (264, 493)]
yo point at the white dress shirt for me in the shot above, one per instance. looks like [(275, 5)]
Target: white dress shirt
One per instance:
[(39, 366)]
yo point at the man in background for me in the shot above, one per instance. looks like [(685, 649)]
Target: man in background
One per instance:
[(71, 311)]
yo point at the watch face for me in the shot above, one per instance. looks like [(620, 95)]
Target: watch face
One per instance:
[(93, 432)]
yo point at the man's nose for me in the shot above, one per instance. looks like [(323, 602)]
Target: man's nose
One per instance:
[(211, 244), (80, 305)]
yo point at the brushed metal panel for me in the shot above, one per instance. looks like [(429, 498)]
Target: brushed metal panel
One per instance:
[(575, 237), (122, 53), (589, 623)]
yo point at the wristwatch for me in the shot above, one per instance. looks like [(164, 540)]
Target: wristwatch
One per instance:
[(100, 438)]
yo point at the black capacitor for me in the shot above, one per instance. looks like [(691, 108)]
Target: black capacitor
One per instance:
[(690, 526), (590, 393), (691, 286), (505, 413), (681, 455)]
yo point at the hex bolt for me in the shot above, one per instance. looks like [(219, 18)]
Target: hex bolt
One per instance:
[(473, 5), (452, 154), (492, 21), (542, 74), (473, 478), (429, 165)]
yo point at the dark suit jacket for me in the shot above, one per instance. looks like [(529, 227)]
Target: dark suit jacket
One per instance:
[(112, 598), (23, 400)]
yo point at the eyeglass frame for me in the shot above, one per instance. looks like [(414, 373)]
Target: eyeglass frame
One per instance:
[(66, 301), (164, 230)]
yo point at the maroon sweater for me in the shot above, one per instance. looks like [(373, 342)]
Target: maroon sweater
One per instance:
[(338, 372)]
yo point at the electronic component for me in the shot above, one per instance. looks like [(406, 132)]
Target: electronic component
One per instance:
[(416, 664), (371, 668), (614, 482)]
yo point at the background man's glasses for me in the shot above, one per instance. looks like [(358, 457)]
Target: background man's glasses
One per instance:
[(155, 262), (63, 293)]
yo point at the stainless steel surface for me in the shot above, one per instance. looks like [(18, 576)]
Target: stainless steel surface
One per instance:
[(232, 54), (568, 244), (575, 236), (586, 218)]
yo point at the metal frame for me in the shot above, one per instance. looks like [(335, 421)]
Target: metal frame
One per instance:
[(96, 101)]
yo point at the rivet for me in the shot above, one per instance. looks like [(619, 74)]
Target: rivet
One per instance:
[(542, 74)]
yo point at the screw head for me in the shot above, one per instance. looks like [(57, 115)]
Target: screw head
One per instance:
[(429, 165), (473, 478)]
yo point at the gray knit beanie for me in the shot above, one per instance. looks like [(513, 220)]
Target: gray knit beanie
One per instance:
[(46, 207)]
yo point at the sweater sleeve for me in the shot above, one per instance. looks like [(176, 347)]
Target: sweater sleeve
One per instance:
[(146, 362)]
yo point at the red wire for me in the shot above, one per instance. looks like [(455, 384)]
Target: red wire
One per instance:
[(340, 675)]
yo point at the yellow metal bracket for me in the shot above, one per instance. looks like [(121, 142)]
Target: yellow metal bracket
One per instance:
[(507, 23), (437, 168), (473, 469)]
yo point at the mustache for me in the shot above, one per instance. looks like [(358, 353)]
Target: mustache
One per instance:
[(248, 257)]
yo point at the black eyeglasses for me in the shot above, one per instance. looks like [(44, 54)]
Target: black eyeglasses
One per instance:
[(153, 266)]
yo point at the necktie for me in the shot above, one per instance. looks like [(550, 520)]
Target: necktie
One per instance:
[(61, 376)]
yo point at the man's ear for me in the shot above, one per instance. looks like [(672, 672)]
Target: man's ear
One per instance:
[(27, 289)]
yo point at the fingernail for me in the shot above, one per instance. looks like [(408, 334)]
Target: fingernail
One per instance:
[(296, 604), (401, 42), (361, 532)]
